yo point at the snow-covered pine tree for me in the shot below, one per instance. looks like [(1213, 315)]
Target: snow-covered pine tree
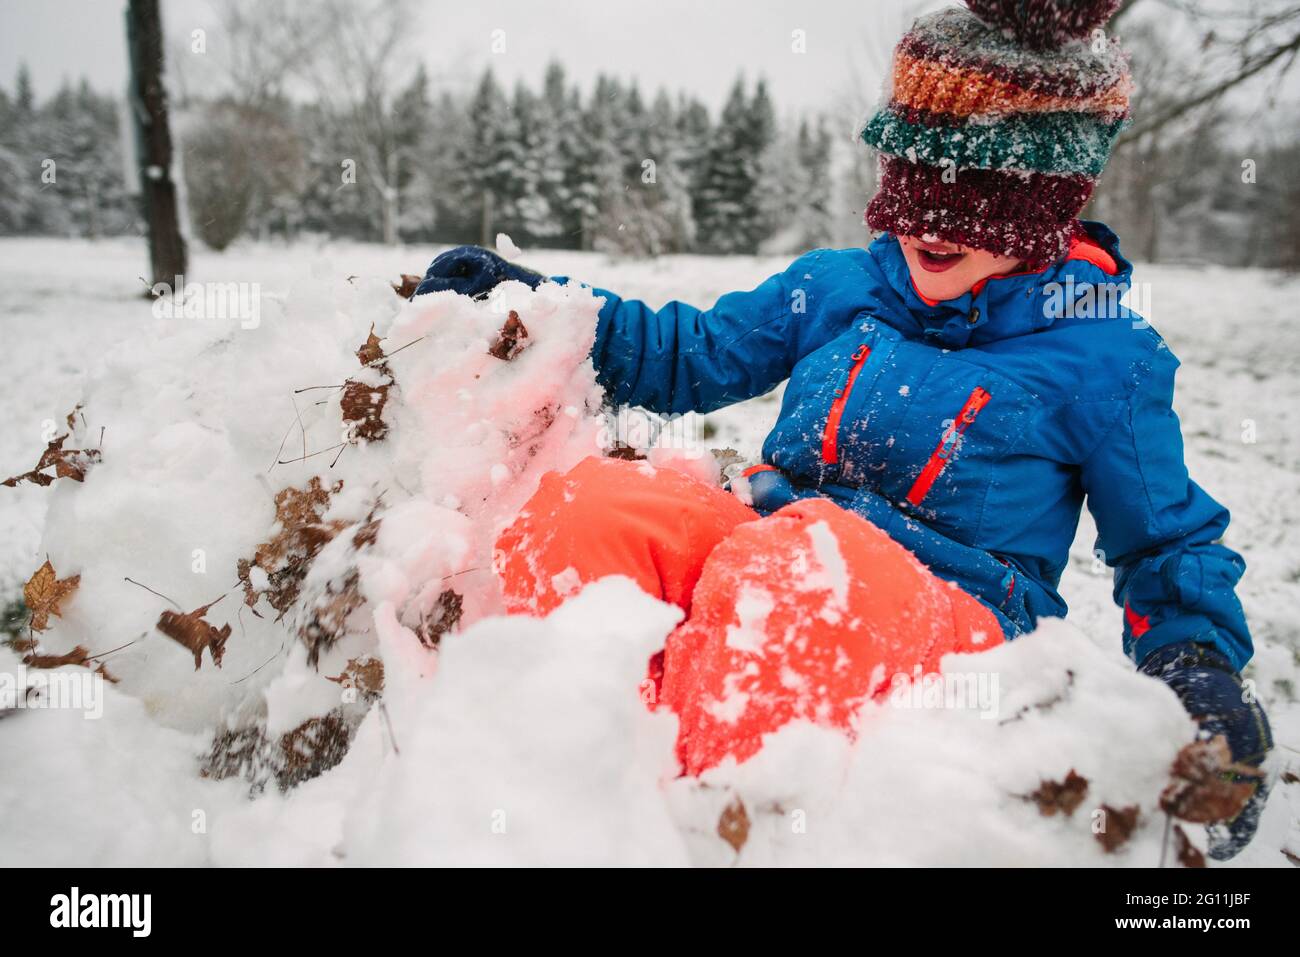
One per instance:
[(597, 171), (758, 137), (562, 107), (672, 174), (18, 198), (724, 181), (25, 206), (782, 184), (536, 166), (440, 160), (730, 210), (651, 215), (694, 129), (813, 147), (24, 97), (332, 200), (413, 133), (77, 131), (629, 220), (487, 156)]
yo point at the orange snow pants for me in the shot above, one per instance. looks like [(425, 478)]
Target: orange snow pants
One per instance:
[(806, 613)]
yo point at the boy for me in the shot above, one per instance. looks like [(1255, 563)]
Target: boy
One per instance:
[(956, 392)]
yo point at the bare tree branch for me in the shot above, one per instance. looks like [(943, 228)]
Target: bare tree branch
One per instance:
[(1251, 68)]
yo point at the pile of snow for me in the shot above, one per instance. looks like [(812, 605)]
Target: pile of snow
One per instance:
[(528, 744), (515, 740), (195, 415)]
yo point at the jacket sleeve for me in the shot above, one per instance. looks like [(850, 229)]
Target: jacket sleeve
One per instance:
[(683, 359), (1160, 531)]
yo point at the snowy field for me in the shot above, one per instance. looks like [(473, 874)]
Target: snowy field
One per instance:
[(573, 763)]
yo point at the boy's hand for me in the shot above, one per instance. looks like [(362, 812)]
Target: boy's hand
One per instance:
[(473, 271), (1213, 695)]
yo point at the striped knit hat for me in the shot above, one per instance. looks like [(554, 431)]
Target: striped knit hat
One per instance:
[(997, 123)]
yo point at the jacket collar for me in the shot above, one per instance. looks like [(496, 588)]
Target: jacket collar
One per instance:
[(1003, 306)]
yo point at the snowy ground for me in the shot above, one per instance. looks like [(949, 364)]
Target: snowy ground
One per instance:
[(66, 304)]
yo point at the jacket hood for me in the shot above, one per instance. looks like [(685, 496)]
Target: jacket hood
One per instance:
[(999, 308)]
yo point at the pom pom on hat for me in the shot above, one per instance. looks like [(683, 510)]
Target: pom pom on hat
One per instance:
[(1044, 24)]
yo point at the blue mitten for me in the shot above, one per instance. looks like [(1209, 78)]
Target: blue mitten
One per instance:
[(1212, 693), (473, 271), (769, 490)]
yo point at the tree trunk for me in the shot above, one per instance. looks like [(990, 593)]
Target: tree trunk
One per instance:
[(154, 141), (391, 202), (485, 237), (92, 210)]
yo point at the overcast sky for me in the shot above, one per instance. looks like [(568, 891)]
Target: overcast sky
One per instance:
[(696, 45), (693, 45)]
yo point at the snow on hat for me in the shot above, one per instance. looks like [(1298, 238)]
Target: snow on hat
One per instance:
[(996, 124)]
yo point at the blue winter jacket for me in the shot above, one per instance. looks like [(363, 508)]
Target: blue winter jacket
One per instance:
[(971, 430)]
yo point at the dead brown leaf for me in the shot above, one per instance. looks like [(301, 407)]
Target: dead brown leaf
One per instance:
[(1206, 785), (512, 339), (66, 463), (328, 612), (328, 617), (371, 350), (1063, 796), (307, 751), (43, 593), (285, 557), (367, 534), (312, 748), (192, 631), (1120, 824), (726, 458), (77, 656), (363, 402), (625, 452), (407, 286), (363, 409), (443, 618), (365, 674), (733, 824)]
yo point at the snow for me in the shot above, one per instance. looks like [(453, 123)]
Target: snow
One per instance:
[(121, 790), (524, 781), (506, 247), (752, 608), (527, 741), (937, 786), (834, 572)]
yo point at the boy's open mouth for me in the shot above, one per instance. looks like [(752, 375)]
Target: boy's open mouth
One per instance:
[(938, 260)]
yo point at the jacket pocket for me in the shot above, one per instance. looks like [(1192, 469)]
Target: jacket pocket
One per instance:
[(948, 443), (831, 434)]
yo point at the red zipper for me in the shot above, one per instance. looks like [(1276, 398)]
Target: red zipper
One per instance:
[(1011, 581), (830, 438), (947, 445)]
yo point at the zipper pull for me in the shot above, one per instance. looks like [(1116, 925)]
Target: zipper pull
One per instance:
[(858, 355)]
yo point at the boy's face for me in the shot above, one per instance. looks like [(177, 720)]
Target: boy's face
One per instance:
[(945, 270)]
